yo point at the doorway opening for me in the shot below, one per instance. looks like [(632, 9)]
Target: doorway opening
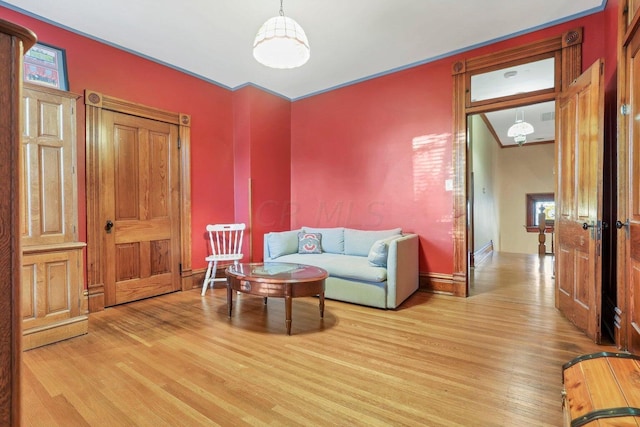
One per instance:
[(563, 54), (509, 182)]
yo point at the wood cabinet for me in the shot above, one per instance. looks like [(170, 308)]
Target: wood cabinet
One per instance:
[(53, 299)]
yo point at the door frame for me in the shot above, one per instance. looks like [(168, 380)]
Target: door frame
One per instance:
[(567, 49), (95, 104)]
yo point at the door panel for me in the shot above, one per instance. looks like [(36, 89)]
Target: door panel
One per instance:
[(579, 145), (140, 197), (633, 184), (48, 154)]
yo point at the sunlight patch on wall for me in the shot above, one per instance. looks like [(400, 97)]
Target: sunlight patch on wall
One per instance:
[(430, 169)]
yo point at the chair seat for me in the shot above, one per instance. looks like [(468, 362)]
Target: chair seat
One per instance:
[(228, 257)]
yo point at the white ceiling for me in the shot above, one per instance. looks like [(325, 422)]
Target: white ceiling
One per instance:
[(351, 40), (541, 116)]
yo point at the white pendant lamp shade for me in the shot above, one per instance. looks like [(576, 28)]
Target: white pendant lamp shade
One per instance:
[(520, 129), (281, 43)]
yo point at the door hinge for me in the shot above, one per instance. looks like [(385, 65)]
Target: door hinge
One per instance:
[(179, 143), (180, 267), (602, 225)]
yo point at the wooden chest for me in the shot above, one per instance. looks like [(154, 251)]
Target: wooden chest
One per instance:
[(602, 389)]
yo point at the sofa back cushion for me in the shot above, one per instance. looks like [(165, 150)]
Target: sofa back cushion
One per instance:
[(359, 242), (282, 243), (332, 238)]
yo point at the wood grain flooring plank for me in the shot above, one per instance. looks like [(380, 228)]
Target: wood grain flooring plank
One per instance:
[(492, 359)]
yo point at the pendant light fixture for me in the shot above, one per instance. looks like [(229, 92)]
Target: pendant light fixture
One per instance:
[(520, 129), (281, 43)]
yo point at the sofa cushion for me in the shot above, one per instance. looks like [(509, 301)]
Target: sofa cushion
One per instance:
[(282, 243), (332, 238), (379, 252), (345, 266), (309, 243), (359, 242)]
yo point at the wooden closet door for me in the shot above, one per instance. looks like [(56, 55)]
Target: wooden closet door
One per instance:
[(140, 206)]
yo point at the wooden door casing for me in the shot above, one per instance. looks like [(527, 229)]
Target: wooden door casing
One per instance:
[(98, 106), (579, 159), (567, 48), (632, 165), (140, 197)]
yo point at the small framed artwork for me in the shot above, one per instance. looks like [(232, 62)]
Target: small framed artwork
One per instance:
[(46, 65)]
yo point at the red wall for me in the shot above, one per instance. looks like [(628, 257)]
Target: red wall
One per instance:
[(376, 154), (263, 158), (371, 155), (96, 66)]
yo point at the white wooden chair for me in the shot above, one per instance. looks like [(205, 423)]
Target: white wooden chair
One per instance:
[(225, 241)]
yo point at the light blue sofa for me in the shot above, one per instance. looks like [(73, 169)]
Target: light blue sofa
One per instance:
[(373, 268)]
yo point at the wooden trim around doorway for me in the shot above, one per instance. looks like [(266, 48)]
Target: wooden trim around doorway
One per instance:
[(95, 103), (567, 48)]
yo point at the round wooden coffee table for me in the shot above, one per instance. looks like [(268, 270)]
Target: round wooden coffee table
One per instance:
[(279, 280)]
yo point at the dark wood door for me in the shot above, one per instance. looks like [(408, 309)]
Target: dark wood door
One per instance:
[(579, 145), (139, 200), (632, 163)]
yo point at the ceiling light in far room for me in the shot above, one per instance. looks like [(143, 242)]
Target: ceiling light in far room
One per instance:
[(520, 129), (281, 43)]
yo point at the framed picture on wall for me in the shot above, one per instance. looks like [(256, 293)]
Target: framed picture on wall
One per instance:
[(46, 65)]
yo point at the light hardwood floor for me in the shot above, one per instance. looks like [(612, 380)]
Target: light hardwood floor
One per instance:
[(493, 359)]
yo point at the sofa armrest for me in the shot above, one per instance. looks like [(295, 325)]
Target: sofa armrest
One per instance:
[(402, 269)]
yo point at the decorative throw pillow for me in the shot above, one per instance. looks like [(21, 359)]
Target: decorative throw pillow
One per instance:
[(282, 243), (379, 252), (309, 243)]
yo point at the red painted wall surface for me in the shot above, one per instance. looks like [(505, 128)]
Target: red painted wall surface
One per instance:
[(376, 154), (263, 158), (96, 66), (371, 155)]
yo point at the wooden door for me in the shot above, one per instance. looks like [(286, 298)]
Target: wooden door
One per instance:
[(632, 165), (579, 151), (139, 199)]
